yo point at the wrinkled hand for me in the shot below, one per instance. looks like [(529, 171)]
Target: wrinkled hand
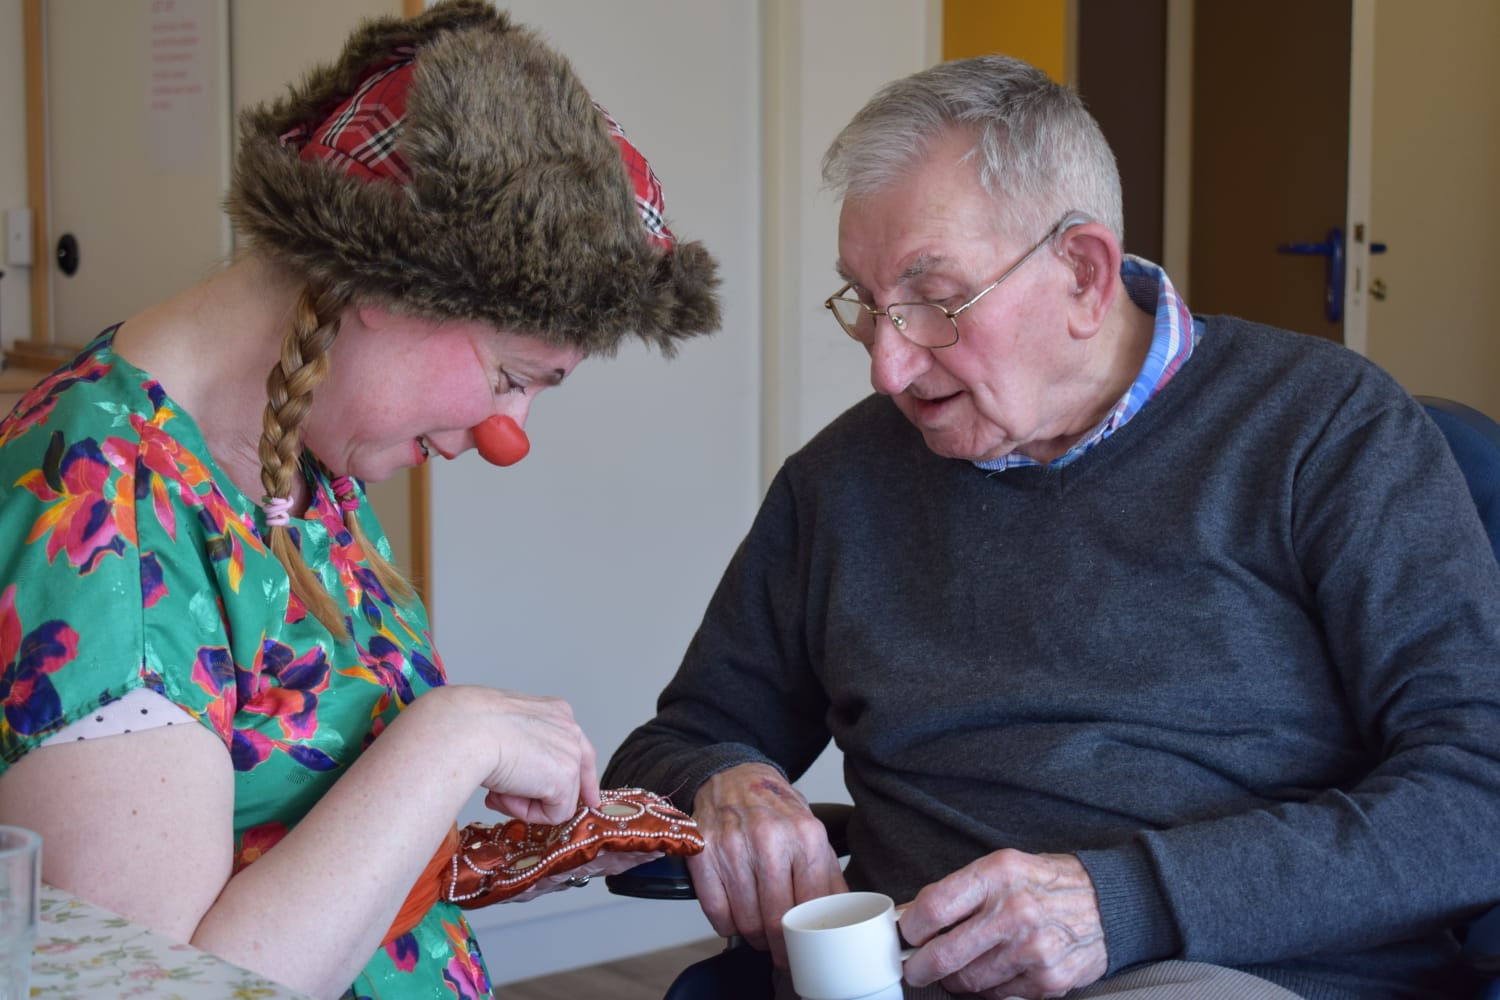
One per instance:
[(1008, 925), (546, 766), (606, 863), (765, 853)]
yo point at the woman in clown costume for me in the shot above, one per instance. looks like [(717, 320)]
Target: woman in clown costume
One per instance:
[(222, 705)]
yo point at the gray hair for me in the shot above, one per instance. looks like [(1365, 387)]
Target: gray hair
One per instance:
[(1037, 147)]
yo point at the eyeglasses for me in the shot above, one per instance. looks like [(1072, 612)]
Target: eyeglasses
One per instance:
[(926, 324)]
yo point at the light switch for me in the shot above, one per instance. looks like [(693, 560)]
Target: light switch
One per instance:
[(18, 237)]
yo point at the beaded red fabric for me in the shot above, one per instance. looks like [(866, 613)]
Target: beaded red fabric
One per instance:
[(497, 862)]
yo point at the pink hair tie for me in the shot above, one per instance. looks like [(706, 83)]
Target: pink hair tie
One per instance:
[(344, 493), (278, 511)]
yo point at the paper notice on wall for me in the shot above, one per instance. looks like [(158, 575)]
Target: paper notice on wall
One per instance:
[(182, 56)]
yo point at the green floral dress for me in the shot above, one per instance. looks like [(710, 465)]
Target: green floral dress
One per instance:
[(129, 560)]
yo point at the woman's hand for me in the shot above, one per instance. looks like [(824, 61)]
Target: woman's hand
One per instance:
[(544, 765), (765, 853)]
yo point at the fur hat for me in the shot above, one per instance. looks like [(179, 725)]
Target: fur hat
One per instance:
[(509, 202)]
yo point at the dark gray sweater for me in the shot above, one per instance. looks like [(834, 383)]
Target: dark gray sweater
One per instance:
[(1243, 658)]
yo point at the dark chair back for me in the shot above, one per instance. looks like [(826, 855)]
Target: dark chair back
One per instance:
[(1474, 440)]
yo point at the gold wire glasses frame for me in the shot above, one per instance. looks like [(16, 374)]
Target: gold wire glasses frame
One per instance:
[(919, 322)]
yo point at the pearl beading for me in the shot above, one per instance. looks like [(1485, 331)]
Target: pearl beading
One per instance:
[(626, 819)]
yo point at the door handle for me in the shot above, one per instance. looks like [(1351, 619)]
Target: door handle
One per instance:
[(1333, 249)]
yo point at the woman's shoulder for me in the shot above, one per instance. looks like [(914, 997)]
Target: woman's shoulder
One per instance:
[(91, 396)]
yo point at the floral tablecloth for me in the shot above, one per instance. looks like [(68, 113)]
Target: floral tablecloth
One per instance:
[(86, 952)]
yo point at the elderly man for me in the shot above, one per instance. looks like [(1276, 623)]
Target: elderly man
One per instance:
[(1161, 649)]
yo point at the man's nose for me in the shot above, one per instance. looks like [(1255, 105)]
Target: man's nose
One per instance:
[(895, 362)]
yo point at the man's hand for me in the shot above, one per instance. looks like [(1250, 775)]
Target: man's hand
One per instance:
[(1008, 925), (765, 853)]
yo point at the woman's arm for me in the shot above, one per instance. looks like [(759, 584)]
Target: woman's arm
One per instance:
[(143, 824)]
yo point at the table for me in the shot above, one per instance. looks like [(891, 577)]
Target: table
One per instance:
[(85, 952)]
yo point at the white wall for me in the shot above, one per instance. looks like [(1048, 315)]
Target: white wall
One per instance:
[(265, 55), (1433, 199)]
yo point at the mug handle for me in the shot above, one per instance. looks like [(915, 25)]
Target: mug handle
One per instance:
[(907, 950)]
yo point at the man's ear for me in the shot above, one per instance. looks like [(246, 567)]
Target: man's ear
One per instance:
[(1092, 255)]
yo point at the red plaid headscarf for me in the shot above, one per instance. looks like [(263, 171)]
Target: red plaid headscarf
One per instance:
[(648, 198), (360, 137)]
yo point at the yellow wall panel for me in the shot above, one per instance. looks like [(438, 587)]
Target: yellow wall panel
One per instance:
[(1033, 30)]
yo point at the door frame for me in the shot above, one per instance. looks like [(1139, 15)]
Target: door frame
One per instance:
[(38, 352), (1357, 216)]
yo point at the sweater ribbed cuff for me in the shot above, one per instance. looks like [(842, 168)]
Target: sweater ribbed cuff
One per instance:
[(720, 757), (1138, 926), (678, 775)]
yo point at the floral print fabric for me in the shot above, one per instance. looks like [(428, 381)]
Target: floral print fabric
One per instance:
[(129, 560)]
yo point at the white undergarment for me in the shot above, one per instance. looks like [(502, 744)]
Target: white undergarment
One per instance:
[(138, 710)]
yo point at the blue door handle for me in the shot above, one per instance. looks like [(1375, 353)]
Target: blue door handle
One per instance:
[(1333, 249)]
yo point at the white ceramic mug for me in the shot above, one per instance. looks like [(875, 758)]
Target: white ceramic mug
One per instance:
[(844, 946)]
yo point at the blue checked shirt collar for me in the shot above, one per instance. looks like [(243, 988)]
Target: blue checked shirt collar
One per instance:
[(1172, 340)]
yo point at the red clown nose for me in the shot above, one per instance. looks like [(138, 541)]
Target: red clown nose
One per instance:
[(501, 440)]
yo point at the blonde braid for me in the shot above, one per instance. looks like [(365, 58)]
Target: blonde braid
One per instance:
[(289, 388), (389, 576)]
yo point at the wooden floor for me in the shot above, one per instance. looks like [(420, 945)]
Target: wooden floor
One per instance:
[(640, 977)]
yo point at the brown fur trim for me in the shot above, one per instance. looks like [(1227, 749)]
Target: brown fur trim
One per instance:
[(519, 214)]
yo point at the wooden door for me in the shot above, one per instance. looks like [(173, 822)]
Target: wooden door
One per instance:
[(1270, 159), (136, 169)]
